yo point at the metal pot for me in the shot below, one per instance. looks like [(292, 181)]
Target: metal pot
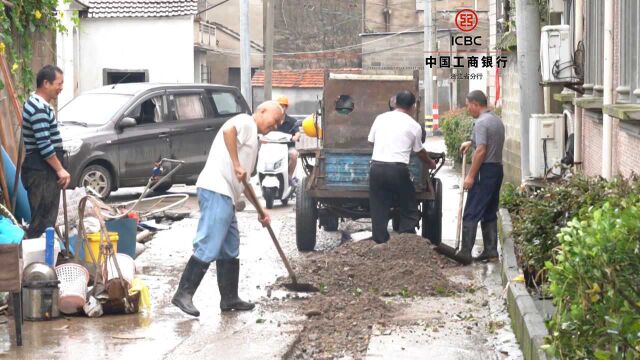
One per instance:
[(40, 292)]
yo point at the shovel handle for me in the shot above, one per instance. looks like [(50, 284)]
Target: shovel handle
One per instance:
[(460, 206), (254, 199), (66, 222)]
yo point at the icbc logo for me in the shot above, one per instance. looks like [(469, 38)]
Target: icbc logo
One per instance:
[(466, 20)]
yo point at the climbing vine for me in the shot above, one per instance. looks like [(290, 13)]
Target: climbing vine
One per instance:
[(19, 20)]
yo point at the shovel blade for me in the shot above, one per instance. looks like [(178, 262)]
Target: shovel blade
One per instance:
[(451, 253), (301, 287)]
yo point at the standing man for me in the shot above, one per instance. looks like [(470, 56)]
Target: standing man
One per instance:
[(289, 126), (392, 106), (484, 179), (395, 134), (42, 170), (233, 153)]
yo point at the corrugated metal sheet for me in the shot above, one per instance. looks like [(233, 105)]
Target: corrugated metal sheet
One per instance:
[(351, 171)]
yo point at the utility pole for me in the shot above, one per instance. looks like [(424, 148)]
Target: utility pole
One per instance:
[(245, 53), (528, 52), (268, 44), (428, 48)]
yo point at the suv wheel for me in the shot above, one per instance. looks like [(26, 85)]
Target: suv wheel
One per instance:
[(98, 178)]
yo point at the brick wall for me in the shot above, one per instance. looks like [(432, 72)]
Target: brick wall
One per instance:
[(628, 152), (626, 157), (511, 118), (313, 25), (407, 51), (591, 144)]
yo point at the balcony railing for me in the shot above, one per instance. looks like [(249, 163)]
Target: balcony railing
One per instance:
[(205, 35)]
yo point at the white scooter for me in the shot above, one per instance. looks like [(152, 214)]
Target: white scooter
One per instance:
[(273, 168)]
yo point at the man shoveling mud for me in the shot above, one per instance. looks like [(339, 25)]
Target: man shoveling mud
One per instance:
[(483, 180), (233, 153)]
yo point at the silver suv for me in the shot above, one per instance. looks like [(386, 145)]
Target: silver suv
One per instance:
[(113, 135)]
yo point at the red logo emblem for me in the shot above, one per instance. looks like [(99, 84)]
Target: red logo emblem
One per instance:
[(466, 20)]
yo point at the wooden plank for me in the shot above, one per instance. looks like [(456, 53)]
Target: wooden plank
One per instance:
[(10, 115), (8, 84)]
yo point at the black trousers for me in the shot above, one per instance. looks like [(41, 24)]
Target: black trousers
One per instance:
[(483, 198), (390, 184), (44, 199)]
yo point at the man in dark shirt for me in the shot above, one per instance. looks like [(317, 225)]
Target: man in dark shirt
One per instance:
[(483, 180), (42, 170), (289, 126)]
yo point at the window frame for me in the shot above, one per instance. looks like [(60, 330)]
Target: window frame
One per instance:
[(217, 113), (137, 103), (173, 109), (594, 44)]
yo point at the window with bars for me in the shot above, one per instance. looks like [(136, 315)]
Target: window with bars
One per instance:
[(594, 44), (204, 73), (629, 70)]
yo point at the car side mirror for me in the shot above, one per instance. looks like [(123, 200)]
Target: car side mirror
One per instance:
[(127, 122)]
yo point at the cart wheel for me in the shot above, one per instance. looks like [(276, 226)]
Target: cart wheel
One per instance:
[(432, 215), (306, 219), (269, 196), (163, 188)]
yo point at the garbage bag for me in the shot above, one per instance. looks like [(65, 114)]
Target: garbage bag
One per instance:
[(9, 232), (138, 286)]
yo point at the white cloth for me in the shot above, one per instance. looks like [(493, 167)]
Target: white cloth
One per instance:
[(394, 135), (218, 174)]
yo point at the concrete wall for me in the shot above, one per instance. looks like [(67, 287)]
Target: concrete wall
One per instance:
[(163, 46), (228, 14), (493, 39), (401, 52), (408, 14), (302, 101), (511, 118), (316, 25)]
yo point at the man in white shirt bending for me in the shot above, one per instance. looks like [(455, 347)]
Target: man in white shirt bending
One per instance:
[(395, 134), (232, 156)]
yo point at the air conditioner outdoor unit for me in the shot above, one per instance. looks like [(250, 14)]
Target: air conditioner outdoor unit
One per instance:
[(556, 55), (546, 135)]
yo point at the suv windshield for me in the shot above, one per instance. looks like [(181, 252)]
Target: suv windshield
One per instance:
[(92, 109)]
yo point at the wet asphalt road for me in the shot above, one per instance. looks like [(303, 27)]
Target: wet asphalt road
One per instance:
[(165, 332)]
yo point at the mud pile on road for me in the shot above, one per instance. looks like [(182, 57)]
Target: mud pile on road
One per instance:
[(361, 285)]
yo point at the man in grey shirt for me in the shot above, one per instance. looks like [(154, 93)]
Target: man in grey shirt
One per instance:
[(483, 181)]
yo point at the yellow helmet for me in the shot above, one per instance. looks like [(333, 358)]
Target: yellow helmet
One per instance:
[(310, 127), (283, 100)]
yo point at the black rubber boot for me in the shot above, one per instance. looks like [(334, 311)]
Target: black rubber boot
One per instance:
[(228, 277), (490, 240), (189, 282), (469, 230)]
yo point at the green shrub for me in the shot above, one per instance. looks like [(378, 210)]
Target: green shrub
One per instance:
[(456, 126), (595, 283), (539, 216)]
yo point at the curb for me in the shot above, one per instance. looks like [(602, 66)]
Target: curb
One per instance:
[(528, 323)]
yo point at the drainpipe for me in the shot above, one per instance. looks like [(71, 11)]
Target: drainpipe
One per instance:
[(386, 12), (577, 113), (607, 129)]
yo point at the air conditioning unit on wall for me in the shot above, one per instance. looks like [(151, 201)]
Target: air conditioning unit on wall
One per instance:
[(546, 139), (556, 55)]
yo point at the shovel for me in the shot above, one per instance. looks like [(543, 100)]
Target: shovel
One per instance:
[(294, 285), (447, 250)]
